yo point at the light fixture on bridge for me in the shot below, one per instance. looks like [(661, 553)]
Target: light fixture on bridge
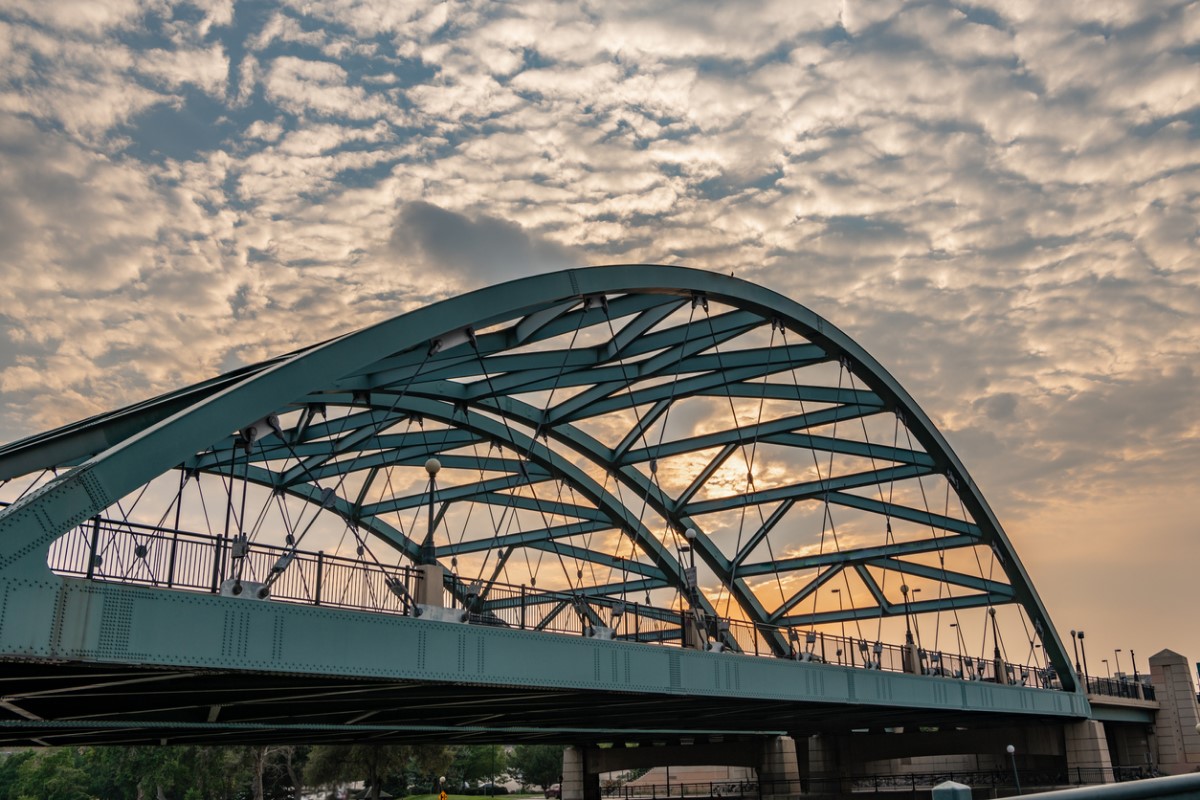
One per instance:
[(433, 467)]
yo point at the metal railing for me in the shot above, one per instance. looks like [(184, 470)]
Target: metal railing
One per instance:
[(849, 651), (117, 551), (834, 784), (121, 552), (725, 788), (1120, 687)]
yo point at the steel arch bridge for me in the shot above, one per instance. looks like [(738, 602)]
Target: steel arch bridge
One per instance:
[(634, 453)]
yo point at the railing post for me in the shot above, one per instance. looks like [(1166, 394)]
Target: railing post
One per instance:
[(91, 568), (171, 566), (523, 601), (320, 575), (218, 550)]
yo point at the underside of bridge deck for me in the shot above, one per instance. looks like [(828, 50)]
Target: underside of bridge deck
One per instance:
[(70, 703)]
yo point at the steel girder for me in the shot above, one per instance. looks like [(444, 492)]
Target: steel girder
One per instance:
[(490, 367)]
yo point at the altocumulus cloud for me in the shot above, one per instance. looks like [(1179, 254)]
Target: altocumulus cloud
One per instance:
[(999, 199)]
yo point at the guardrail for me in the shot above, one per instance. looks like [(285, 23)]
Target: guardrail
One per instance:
[(116, 551), (1120, 687), (841, 784), (120, 552)]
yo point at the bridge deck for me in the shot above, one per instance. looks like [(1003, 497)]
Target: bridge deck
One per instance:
[(239, 669)]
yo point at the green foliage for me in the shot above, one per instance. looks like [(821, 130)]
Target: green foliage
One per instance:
[(393, 768), (537, 764), (476, 763), (11, 766), (131, 773)]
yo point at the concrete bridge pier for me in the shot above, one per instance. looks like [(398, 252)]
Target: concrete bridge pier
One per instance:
[(1087, 750), (578, 783), (779, 768)]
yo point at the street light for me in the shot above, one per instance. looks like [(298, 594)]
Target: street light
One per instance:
[(958, 638), (428, 550), (1083, 648), (842, 643), (916, 621), (1117, 660), (1012, 753), (1075, 645), (1106, 669)]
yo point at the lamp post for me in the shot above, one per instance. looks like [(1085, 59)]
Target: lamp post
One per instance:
[(1075, 645), (1117, 660), (916, 621), (842, 643), (1106, 669), (908, 639), (1012, 753), (1133, 660), (1083, 649), (428, 551)]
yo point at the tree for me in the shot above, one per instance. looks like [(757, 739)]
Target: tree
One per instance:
[(57, 774), (537, 764), (11, 765), (373, 763), (478, 762)]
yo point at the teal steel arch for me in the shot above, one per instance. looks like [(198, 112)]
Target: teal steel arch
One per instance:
[(487, 368)]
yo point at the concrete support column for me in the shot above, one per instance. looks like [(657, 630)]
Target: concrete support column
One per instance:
[(578, 783), (572, 773), (828, 766), (911, 658), (779, 771), (1087, 752), (430, 588), (1175, 722)]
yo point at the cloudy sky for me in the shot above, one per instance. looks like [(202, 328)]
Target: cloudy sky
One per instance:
[(998, 199)]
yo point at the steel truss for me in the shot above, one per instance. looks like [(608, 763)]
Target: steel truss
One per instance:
[(603, 432)]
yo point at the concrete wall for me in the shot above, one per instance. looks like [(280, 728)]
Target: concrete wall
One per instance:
[(1178, 715)]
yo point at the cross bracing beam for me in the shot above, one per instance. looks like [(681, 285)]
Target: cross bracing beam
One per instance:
[(471, 491), (806, 490), (957, 603), (401, 445), (856, 555), (709, 377), (608, 595), (709, 334), (385, 458), (897, 511), (368, 367), (1000, 592), (617, 563), (850, 447), (943, 575), (538, 537)]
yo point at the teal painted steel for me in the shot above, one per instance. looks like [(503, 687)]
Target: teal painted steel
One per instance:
[(80, 620), (415, 366)]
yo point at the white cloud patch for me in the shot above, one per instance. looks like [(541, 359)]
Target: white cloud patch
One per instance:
[(301, 86)]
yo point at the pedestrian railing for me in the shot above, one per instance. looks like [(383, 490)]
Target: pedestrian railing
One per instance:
[(123, 552)]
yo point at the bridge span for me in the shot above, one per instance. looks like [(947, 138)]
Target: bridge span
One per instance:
[(629, 504)]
